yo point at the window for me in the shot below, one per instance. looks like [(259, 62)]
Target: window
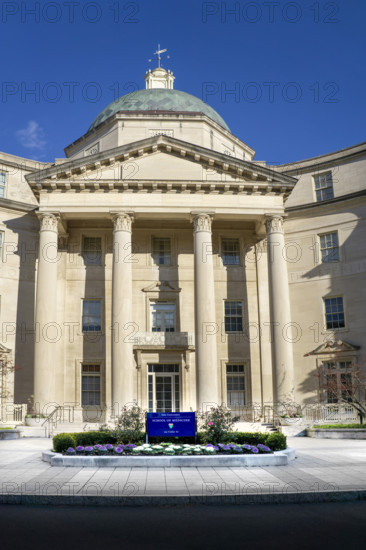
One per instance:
[(230, 252), (1, 244), (162, 317), (338, 381), (329, 249), (161, 251), (90, 385), (323, 186), (163, 388), (92, 250), (233, 317), (91, 316), (334, 312), (2, 184), (235, 385)]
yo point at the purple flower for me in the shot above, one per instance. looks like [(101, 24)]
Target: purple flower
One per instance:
[(216, 448), (88, 449), (109, 447), (209, 445), (248, 447), (254, 450), (70, 451), (79, 448), (102, 448), (118, 450), (97, 447), (131, 445)]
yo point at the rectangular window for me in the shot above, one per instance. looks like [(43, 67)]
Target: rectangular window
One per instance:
[(162, 317), (163, 388), (2, 184), (230, 251), (235, 386), (161, 251), (334, 312), (233, 316), (338, 381), (91, 316), (329, 249), (1, 245), (92, 250), (323, 186), (90, 385)]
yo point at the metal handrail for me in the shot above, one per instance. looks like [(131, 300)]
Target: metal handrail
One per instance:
[(52, 419)]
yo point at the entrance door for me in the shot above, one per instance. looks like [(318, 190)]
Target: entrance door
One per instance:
[(164, 388)]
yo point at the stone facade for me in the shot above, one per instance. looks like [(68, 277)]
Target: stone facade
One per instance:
[(160, 263)]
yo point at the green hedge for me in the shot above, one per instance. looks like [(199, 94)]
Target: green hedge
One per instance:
[(61, 442), (338, 426)]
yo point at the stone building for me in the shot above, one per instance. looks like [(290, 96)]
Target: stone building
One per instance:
[(160, 263)]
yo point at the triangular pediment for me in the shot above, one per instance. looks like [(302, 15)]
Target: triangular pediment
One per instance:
[(161, 286), (161, 161), (4, 349), (334, 346)]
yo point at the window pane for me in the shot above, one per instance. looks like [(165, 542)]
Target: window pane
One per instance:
[(92, 250), (2, 184), (161, 251), (329, 247), (233, 317), (323, 186), (162, 317), (91, 316), (334, 313), (230, 252)]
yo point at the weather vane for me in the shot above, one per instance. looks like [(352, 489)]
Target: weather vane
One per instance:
[(158, 53)]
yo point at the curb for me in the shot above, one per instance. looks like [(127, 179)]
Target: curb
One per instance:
[(278, 458), (194, 500)]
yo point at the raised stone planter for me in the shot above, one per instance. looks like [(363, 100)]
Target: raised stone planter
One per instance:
[(34, 422), (279, 458), (9, 434), (340, 433)]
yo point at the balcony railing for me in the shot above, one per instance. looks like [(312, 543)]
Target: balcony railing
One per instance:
[(164, 339)]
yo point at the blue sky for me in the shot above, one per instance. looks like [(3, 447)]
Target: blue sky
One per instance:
[(296, 70)]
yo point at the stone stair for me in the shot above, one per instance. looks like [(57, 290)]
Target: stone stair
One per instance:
[(70, 427), (270, 428)]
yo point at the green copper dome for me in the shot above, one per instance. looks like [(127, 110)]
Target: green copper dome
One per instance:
[(157, 99)]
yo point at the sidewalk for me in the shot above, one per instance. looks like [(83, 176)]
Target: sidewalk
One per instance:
[(324, 470)]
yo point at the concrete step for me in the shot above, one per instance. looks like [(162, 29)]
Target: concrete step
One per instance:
[(71, 427)]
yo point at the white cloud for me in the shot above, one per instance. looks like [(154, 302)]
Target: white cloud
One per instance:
[(32, 136)]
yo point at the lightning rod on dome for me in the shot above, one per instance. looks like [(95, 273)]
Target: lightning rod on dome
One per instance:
[(158, 52)]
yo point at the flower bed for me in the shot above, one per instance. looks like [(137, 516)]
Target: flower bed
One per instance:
[(167, 449)]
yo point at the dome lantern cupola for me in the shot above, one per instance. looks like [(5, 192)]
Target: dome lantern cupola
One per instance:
[(159, 77)]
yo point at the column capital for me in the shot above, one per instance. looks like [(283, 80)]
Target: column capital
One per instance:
[(49, 221), (202, 221), (274, 224), (122, 221)]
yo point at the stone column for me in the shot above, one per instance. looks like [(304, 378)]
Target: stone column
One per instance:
[(46, 313), (264, 318), (122, 347), (283, 375), (205, 315)]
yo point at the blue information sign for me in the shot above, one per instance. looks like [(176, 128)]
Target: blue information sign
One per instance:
[(175, 424)]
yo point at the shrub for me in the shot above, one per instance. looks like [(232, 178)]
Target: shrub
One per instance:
[(216, 424), (94, 438), (276, 441), (61, 442)]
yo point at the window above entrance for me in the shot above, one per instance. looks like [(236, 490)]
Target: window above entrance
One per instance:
[(162, 317)]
